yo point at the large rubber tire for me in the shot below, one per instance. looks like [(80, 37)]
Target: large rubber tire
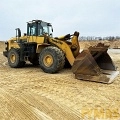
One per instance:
[(51, 59), (14, 58)]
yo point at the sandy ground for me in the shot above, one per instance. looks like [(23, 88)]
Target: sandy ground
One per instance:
[(30, 94)]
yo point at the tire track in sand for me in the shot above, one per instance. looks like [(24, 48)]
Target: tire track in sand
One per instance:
[(31, 106), (49, 107), (16, 109)]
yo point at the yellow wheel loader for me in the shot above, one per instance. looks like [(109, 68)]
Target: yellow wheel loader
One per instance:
[(52, 53)]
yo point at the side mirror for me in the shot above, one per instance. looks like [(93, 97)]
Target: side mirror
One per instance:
[(52, 29)]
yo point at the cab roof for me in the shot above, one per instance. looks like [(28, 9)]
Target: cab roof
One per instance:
[(38, 21)]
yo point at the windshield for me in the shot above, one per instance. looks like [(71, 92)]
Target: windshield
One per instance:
[(44, 28)]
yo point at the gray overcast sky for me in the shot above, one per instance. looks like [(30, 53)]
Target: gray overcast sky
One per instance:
[(89, 17)]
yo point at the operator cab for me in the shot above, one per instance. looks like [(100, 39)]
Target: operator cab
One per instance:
[(39, 28)]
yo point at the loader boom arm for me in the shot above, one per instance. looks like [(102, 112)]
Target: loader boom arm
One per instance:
[(70, 51)]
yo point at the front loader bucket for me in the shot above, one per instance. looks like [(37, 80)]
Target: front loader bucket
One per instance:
[(95, 64)]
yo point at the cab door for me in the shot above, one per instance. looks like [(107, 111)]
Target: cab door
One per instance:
[(31, 32)]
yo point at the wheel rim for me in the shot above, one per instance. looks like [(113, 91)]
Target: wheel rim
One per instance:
[(12, 58), (48, 60)]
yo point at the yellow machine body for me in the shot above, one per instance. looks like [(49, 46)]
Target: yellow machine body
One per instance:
[(52, 53)]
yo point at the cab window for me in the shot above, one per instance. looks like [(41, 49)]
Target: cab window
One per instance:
[(32, 30)]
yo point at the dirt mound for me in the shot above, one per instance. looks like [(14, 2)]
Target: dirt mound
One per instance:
[(113, 44), (2, 46)]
